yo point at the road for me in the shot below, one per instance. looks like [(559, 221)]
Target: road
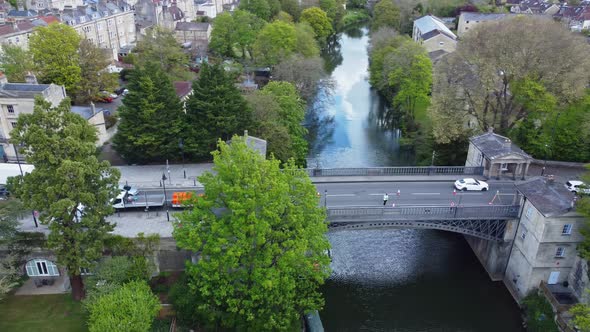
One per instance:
[(410, 193)]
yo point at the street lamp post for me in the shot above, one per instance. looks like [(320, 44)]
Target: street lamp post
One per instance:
[(165, 197), (326, 198), (23, 175), (181, 146)]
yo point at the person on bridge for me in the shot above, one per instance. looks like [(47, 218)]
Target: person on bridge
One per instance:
[(385, 199)]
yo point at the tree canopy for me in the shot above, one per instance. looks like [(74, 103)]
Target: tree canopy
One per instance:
[(235, 31), (160, 46), (260, 8), (16, 62), (319, 21), (94, 77), (276, 41), (215, 110), (132, 307), (386, 14), (152, 118), (55, 54), (69, 187), (507, 72), (261, 238)]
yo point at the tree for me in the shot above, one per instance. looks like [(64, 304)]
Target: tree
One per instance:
[(9, 269), (319, 21), (386, 14), (246, 28), (539, 313), (260, 8), (55, 54), (504, 73), (261, 237), (306, 43), (292, 7), (306, 74), (94, 77), (268, 126), (69, 187), (335, 11), (160, 46), (16, 62), (131, 307), (215, 110), (152, 117), (222, 35), (581, 313), (276, 41)]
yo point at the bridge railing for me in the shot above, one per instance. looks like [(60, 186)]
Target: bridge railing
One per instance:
[(393, 171), (424, 212)]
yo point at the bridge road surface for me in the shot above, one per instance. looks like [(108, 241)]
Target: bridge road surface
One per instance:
[(364, 194)]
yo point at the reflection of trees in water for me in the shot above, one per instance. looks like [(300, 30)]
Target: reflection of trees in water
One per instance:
[(320, 126), (381, 114), (332, 54), (356, 30)]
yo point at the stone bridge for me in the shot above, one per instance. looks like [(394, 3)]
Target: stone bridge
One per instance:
[(486, 222)]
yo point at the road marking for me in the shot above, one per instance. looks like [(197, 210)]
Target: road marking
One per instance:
[(341, 195), (376, 194), (425, 193)]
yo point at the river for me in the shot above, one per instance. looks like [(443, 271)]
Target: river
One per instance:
[(401, 280)]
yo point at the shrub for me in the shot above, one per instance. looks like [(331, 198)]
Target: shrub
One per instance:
[(539, 313)]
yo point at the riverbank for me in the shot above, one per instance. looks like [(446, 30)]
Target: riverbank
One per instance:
[(354, 17)]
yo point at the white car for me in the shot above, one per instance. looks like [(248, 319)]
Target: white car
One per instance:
[(110, 94), (130, 190), (577, 187), (471, 184)]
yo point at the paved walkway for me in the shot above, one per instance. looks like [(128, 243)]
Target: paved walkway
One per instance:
[(150, 176)]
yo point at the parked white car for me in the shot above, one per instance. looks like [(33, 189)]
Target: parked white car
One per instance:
[(130, 190), (577, 187), (471, 184), (110, 94)]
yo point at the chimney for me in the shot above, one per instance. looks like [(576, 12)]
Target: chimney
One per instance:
[(550, 179), (93, 108), (31, 78), (507, 143), (490, 130), (3, 79), (20, 6)]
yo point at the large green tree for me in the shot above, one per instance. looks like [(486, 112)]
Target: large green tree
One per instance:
[(10, 271), (152, 118), (160, 46), (260, 8), (307, 45), (267, 125), (260, 234), (69, 187), (319, 21), (276, 41), (306, 74), (291, 7), (215, 110), (246, 28), (502, 74), (55, 54), (335, 11), (95, 78), (16, 62), (222, 35), (132, 307), (386, 14)]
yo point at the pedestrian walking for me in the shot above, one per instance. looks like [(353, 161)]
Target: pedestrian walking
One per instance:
[(385, 199)]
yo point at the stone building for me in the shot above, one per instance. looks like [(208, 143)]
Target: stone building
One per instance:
[(95, 117), (469, 21), (498, 155), (434, 35), (544, 248), (19, 98)]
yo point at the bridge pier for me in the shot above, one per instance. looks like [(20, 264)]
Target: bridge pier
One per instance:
[(494, 255)]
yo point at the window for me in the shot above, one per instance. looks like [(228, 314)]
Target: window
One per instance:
[(13, 124), (567, 229), (529, 212), (41, 267), (441, 43), (504, 166), (560, 252), (84, 271), (10, 109), (523, 235)]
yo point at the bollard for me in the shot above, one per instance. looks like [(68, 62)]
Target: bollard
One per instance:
[(195, 182), (160, 183)]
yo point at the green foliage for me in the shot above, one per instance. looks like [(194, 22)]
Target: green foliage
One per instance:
[(215, 110), (306, 74), (55, 54), (10, 211), (335, 11), (151, 116), (69, 187), (94, 78), (261, 238), (260, 8), (319, 21), (581, 313), (16, 62), (539, 314), (222, 35), (292, 8), (275, 41), (285, 17), (132, 308), (354, 17), (160, 46), (386, 14), (306, 42), (185, 302)]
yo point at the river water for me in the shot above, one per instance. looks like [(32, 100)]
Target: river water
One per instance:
[(401, 280)]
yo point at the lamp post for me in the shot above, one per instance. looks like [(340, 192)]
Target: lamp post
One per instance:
[(181, 146), (326, 198), (23, 175), (551, 144), (165, 197)]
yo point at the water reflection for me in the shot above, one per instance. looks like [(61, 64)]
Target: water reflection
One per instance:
[(355, 115)]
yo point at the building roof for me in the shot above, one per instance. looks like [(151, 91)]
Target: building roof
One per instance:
[(548, 197), (86, 111), (17, 27), (192, 26), (22, 13), (437, 55), (470, 16), (430, 23), (494, 146), (183, 88)]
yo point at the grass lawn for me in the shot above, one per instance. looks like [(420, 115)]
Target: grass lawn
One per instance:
[(46, 313)]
